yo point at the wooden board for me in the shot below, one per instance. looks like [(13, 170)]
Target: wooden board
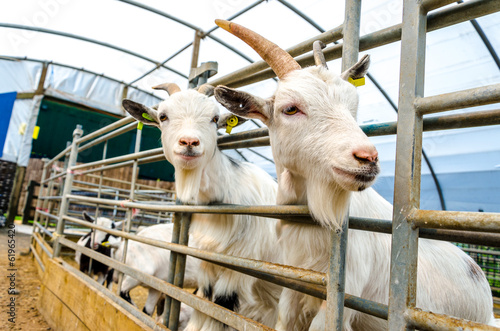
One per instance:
[(64, 293)]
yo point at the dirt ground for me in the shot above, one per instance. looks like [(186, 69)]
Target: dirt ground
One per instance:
[(27, 316)]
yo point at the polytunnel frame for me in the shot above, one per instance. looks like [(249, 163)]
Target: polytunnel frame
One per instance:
[(199, 33), (409, 222)]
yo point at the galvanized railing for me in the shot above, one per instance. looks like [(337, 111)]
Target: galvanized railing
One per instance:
[(409, 222)]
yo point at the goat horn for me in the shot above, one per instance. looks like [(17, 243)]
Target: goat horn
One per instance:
[(171, 88), (206, 89), (279, 60), (319, 57)]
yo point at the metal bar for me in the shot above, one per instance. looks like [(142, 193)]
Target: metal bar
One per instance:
[(42, 246), (429, 5), (133, 156), (180, 268), (478, 96), (470, 221), (404, 252), (159, 65), (52, 216), (304, 275), (256, 142), (338, 244), (37, 258), (149, 159), (161, 13), (128, 221), (224, 315), (172, 263), (63, 208), (42, 228), (138, 184), (430, 321), (301, 48), (93, 41), (466, 237), (301, 283), (246, 135), (108, 136), (58, 156), (106, 129), (437, 20)]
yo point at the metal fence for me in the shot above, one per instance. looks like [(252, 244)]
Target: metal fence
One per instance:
[(408, 224)]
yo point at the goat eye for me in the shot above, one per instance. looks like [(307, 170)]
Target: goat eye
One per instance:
[(292, 110), (215, 119), (163, 117)]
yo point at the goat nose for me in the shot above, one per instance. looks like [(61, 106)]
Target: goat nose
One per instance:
[(366, 154), (190, 142)]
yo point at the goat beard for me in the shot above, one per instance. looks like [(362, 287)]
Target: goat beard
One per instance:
[(328, 202), (187, 184)]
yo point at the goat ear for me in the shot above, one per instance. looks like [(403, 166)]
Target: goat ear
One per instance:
[(87, 217), (243, 104), (358, 70), (222, 123), (141, 113)]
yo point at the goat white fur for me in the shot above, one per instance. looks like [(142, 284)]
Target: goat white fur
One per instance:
[(188, 121), (153, 261), (316, 147)]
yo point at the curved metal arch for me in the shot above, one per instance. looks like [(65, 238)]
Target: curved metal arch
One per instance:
[(205, 34), (17, 58), (384, 93), (93, 41)]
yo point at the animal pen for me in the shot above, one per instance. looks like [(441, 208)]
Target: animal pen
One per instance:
[(61, 281)]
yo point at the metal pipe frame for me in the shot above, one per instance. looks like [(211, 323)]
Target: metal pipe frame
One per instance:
[(93, 41), (404, 252), (63, 208), (437, 20), (478, 96), (222, 314), (295, 278), (105, 138), (409, 222), (128, 222)]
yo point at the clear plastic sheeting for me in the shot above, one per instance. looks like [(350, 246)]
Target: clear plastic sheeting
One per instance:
[(18, 131), (18, 75)]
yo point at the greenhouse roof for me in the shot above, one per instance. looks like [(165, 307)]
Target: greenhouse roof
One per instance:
[(97, 47)]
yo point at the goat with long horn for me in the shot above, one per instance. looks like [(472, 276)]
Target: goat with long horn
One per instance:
[(324, 160)]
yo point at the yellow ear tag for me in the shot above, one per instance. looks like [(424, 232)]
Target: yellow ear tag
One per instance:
[(106, 244), (146, 116), (357, 82), (139, 125), (231, 123)]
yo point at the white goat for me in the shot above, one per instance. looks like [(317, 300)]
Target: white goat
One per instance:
[(100, 242), (188, 122), (153, 261), (321, 157)]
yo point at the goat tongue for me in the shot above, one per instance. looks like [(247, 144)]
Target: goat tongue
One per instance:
[(278, 59)]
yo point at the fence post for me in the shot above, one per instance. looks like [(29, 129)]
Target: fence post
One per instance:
[(404, 253), (68, 183), (128, 222), (338, 248)]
